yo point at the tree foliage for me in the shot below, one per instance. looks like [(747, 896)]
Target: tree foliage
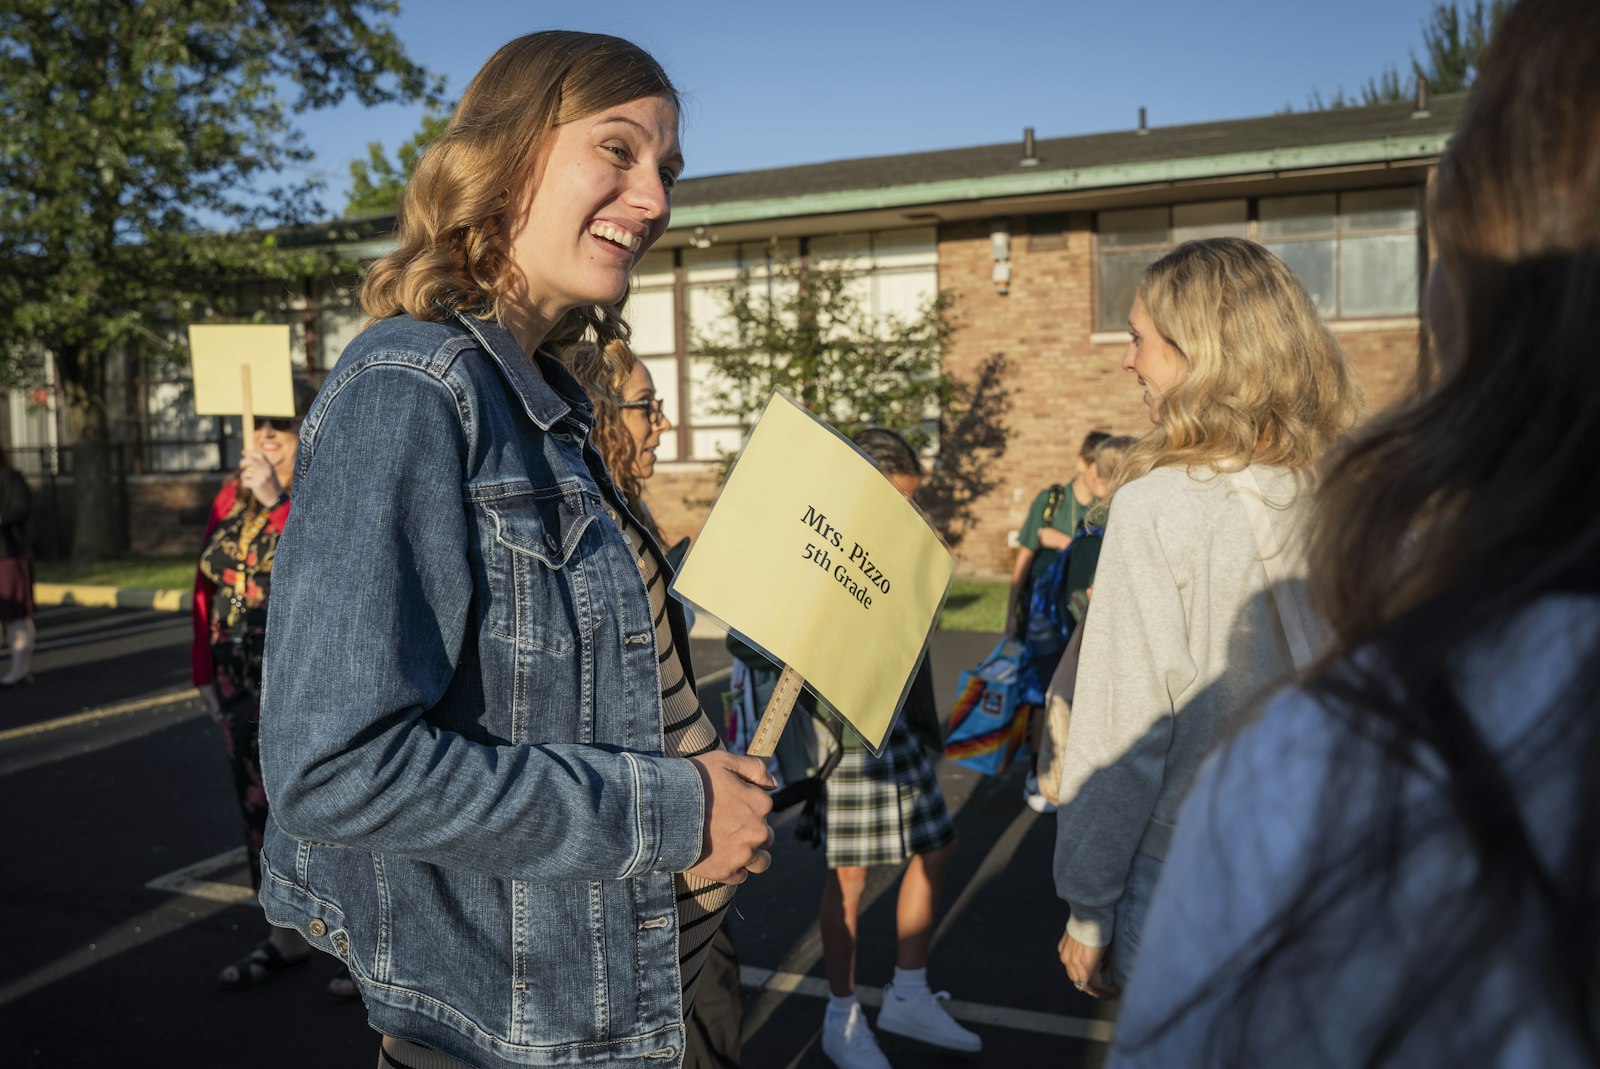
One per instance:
[(1454, 40), (806, 328), (147, 147), (377, 181)]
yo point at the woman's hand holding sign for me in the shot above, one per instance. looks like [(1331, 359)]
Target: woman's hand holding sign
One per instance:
[(736, 833)]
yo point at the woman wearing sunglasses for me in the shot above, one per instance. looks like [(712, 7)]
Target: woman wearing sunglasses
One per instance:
[(231, 586)]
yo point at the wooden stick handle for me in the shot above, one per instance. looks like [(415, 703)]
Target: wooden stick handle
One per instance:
[(247, 399), (773, 718)]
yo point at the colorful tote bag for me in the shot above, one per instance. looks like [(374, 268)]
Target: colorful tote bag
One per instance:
[(989, 724)]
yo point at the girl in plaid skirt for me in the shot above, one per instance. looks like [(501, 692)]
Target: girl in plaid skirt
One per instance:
[(884, 811)]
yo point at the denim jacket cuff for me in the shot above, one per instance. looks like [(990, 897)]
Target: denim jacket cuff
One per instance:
[(672, 813)]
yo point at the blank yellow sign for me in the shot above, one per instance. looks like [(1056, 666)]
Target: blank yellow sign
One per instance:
[(219, 353), (815, 557)]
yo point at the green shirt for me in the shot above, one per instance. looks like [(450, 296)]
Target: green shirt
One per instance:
[(1065, 520)]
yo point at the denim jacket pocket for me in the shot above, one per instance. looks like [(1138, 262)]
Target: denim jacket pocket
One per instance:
[(537, 536)]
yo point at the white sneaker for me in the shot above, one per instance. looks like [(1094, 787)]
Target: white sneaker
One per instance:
[(923, 1017), (851, 1045), (1036, 801)]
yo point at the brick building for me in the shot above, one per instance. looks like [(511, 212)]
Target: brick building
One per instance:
[(1041, 242), (1067, 224)]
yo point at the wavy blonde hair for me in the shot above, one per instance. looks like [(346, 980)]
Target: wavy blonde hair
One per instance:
[(1267, 382), (452, 254)]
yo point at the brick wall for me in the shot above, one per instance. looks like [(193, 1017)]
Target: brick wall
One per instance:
[(167, 513), (676, 496), (1062, 384)]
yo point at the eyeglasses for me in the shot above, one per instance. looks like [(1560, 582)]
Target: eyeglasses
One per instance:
[(277, 423), (654, 410)]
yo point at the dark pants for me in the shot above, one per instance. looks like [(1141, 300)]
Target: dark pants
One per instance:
[(718, 1015)]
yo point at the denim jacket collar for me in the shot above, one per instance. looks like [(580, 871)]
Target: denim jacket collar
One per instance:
[(547, 390)]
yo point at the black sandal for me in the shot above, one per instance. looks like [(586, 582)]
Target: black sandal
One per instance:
[(263, 961)]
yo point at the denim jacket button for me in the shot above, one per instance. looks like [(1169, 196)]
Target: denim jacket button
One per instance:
[(341, 946), (317, 927)]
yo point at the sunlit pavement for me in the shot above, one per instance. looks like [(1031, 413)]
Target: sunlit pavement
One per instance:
[(125, 889)]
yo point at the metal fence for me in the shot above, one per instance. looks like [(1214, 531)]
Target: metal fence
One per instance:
[(50, 470)]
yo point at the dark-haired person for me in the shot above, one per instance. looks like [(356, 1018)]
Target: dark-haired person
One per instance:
[(1247, 389), (1046, 531), (16, 573), (486, 795), (885, 810), (1396, 865)]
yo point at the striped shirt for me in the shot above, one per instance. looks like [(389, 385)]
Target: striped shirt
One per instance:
[(687, 732)]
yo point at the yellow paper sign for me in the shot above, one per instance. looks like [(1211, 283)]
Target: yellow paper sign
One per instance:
[(220, 353), (812, 555)]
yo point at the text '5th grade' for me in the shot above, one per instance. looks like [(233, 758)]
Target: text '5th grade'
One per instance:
[(860, 583)]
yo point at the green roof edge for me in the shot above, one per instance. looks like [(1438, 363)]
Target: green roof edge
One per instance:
[(1035, 181)]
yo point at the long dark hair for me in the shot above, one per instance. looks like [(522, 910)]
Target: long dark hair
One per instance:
[(1436, 527)]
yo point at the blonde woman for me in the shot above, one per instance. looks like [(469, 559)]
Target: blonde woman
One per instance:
[(1247, 389), (493, 791)]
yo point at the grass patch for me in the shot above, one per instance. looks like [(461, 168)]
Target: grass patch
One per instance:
[(976, 605), (146, 573)]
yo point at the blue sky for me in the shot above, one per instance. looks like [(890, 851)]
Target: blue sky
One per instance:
[(786, 83)]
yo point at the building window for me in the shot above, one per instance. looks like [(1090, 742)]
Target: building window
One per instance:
[(897, 272), (1356, 253)]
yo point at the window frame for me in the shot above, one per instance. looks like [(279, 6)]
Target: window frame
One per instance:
[(1337, 234)]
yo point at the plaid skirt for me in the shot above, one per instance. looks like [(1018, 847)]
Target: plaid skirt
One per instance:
[(882, 810)]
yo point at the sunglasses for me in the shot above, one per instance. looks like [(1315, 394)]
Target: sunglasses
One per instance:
[(278, 423), (655, 409)]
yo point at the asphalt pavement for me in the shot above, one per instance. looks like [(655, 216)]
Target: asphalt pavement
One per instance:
[(124, 889)]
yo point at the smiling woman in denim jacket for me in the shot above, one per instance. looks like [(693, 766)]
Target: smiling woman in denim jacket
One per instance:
[(483, 798)]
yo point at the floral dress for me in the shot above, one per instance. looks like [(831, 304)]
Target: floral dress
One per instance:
[(233, 583)]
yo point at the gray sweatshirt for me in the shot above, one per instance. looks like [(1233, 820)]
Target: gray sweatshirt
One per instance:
[(1183, 638)]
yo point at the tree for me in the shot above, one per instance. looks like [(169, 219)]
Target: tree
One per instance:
[(148, 147), (377, 182), (804, 328), (1454, 41)]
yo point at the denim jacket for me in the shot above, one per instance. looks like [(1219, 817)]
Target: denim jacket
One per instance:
[(461, 731)]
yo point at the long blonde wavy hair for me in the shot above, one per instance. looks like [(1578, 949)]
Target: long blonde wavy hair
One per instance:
[(452, 254), (1267, 382)]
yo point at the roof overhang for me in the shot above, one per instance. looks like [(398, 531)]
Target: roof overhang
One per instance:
[(1285, 170)]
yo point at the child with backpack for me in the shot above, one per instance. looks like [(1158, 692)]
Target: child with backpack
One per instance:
[(1054, 516)]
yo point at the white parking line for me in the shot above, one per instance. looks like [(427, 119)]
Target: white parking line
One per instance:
[(190, 880), (119, 709), (1049, 1024)]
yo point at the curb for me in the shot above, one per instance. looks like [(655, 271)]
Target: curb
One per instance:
[(111, 597)]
